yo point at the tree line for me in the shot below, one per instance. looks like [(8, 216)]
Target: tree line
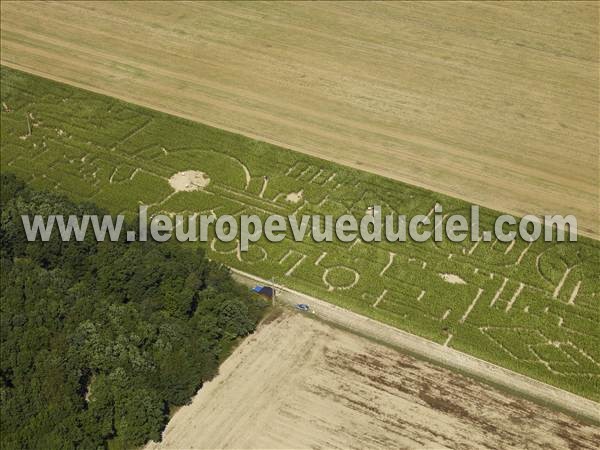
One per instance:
[(99, 341)]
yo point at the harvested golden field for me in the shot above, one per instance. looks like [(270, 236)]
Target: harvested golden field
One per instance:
[(496, 103), (299, 383)]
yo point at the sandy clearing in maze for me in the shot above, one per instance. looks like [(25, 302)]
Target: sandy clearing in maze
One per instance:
[(451, 278), (189, 180), (294, 197), (494, 103), (299, 383)]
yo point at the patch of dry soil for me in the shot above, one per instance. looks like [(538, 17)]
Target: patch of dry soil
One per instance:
[(189, 180), (452, 278), (294, 197)]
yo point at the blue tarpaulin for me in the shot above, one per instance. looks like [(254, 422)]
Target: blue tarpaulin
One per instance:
[(265, 291)]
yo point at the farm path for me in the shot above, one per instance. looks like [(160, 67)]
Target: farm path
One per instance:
[(432, 351)]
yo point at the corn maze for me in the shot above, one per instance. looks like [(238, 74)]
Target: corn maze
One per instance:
[(530, 307)]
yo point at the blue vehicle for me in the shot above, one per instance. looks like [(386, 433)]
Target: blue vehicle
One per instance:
[(302, 307)]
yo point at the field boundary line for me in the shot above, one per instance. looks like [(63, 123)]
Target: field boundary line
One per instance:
[(591, 234), (433, 351)]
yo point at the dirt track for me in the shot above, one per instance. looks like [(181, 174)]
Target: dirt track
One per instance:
[(433, 351), (496, 103), (298, 383)]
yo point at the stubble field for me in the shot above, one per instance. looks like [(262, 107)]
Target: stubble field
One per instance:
[(298, 383), (495, 103)]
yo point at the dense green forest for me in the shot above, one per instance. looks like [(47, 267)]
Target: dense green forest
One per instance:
[(100, 340)]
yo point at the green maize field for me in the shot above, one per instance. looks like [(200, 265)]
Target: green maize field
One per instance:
[(530, 307)]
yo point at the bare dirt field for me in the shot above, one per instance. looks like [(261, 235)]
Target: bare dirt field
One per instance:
[(496, 103), (299, 383)]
